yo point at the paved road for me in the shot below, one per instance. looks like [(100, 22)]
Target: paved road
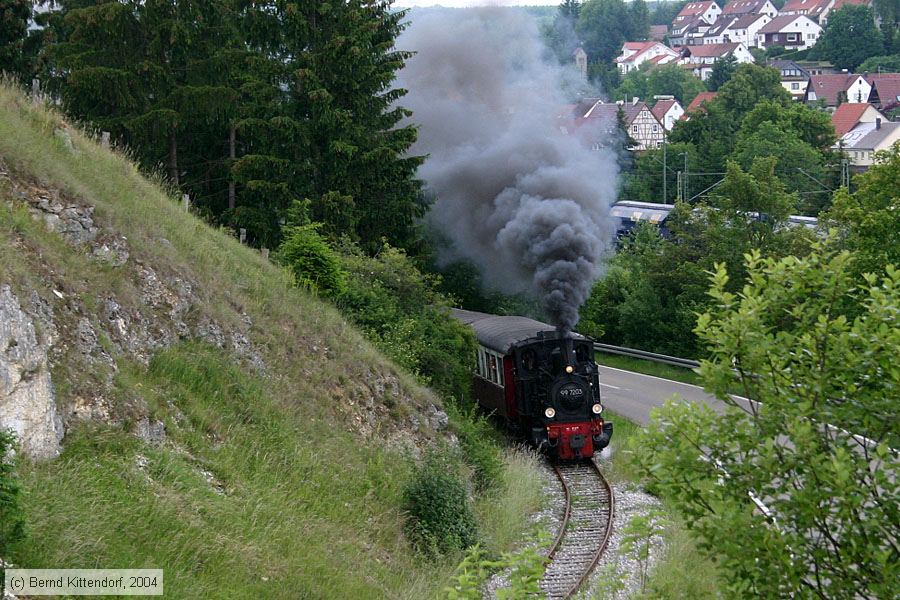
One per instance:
[(633, 395)]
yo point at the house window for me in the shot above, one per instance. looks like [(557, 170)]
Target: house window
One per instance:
[(810, 36), (655, 128), (775, 37), (792, 37), (795, 86), (634, 128)]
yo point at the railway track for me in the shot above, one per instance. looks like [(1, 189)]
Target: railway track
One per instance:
[(584, 531)]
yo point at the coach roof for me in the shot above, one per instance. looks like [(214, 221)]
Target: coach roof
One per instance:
[(502, 333)]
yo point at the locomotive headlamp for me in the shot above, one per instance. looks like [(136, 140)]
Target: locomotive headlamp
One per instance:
[(597, 409), (549, 412), (569, 368)]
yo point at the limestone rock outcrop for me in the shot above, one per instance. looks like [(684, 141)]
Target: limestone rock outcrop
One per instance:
[(27, 403)]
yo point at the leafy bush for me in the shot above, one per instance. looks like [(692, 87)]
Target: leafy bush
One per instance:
[(312, 261), (403, 313), (12, 519), (441, 516)]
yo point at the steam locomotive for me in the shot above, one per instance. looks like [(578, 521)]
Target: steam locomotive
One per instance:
[(542, 383)]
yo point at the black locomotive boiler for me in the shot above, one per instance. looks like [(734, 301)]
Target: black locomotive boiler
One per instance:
[(542, 383)]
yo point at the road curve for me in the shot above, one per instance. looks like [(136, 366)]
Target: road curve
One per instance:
[(634, 395)]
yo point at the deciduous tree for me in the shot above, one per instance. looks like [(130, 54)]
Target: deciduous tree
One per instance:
[(870, 217), (850, 37), (829, 524)]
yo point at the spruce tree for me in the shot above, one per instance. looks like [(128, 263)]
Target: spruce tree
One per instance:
[(14, 16)]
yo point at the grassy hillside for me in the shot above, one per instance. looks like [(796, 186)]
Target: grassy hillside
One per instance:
[(286, 446)]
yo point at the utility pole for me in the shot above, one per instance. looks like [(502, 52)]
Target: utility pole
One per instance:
[(684, 179), (665, 197)]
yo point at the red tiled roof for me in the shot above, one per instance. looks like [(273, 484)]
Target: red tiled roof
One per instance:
[(847, 116), (779, 23), (712, 50), (692, 9), (700, 99), (812, 7), (743, 7), (659, 32), (827, 87), (660, 109), (888, 87)]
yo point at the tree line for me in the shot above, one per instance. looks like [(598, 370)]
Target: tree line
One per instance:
[(246, 106)]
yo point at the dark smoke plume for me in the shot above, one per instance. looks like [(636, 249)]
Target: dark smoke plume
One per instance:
[(516, 195)]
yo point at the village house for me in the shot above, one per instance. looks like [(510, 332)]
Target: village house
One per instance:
[(694, 20), (634, 54), (667, 111), (885, 93), (708, 11), (744, 29), (817, 10), (863, 141), (793, 32), (689, 33), (701, 59), (849, 115), (832, 90), (794, 78), (638, 120)]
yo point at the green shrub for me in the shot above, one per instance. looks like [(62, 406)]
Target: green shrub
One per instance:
[(441, 518), (12, 519), (480, 450), (402, 312), (312, 261)]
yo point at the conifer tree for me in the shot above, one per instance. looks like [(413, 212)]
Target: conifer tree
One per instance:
[(14, 16)]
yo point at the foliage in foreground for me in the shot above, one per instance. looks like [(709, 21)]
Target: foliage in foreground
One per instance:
[(525, 571), (832, 529), (12, 519)]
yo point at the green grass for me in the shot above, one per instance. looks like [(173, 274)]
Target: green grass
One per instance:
[(505, 512), (310, 509), (648, 368)]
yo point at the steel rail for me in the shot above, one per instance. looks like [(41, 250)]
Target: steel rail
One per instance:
[(569, 590)]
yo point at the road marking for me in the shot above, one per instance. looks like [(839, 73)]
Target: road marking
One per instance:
[(615, 387), (652, 377)]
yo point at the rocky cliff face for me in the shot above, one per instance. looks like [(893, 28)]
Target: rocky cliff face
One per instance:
[(85, 334), (72, 328), (27, 402)]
